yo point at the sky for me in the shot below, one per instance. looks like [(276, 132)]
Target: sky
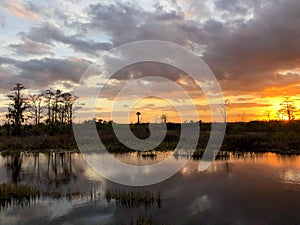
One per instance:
[(252, 47)]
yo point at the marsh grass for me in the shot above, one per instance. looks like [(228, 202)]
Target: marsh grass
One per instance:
[(254, 136), (22, 194), (17, 194), (38, 143), (12, 194), (144, 220), (136, 199), (147, 154)]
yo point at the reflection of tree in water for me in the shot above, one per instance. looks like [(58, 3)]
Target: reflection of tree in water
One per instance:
[(60, 175), (36, 166), (14, 163), (228, 167), (59, 169)]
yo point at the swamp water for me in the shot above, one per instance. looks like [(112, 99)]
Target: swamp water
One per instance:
[(241, 189)]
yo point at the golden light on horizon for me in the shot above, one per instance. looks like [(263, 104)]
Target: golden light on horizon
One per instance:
[(241, 109), (152, 109)]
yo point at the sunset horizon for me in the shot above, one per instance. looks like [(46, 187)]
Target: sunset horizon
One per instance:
[(150, 112), (253, 54)]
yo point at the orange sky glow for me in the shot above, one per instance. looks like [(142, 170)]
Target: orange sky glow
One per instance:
[(253, 53)]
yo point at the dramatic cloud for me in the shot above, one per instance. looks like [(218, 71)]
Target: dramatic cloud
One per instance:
[(45, 71), (19, 9), (252, 42), (49, 34), (249, 56), (28, 47), (8, 80), (145, 69), (252, 46), (6, 60), (41, 73), (127, 23)]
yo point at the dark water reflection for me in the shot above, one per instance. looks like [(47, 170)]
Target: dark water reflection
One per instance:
[(237, 189)]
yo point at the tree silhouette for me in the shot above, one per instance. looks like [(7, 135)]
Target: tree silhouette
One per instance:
[(56, 108), (17, 108), (35, 108), (163, 118), (138, 117), (287, 109), (49, 95), (68, 108)]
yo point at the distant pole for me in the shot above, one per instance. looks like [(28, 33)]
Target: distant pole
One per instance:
[(138, 117), (225, 108)]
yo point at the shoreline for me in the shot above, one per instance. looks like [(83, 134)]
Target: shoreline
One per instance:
[(197, 154), (281, 138)]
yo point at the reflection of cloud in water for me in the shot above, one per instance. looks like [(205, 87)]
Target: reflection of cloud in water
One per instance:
[(100, 219), (93, 213), (291, 177), (36, 212), (47, 213), (7, 219), (200, 204), (246, 188)]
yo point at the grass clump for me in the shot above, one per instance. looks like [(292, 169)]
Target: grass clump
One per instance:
[(131, 199), (17, 193), (22, 194), (144, 220)]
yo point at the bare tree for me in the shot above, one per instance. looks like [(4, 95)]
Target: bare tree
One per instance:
[(35, 108), (242, 116), (60, 106), (68, 108), (17, 108), (268, 114), (56, 106), (49, 96), (288, 109), (163, 118)]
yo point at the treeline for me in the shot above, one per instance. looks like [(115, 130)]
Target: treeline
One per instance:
[(50, 109)]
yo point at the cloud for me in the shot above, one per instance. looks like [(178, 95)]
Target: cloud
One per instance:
[(249, 56), (145, 69), (6, 60), (2, 21), (49, 34), (19, 9), (245, 43), (45, 71), (238, 11), (247, 105), (8, 79), (285, 90), (41, 73), (28, 47), (127, 23)]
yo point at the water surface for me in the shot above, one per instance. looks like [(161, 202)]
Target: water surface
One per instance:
[(240, 189)]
